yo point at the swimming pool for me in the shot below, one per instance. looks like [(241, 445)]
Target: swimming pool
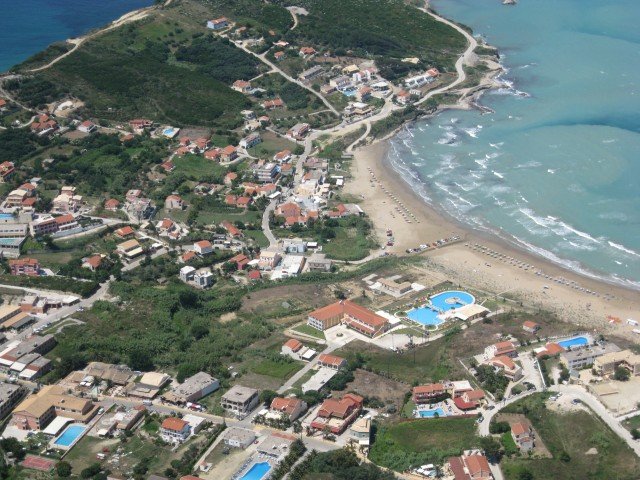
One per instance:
[(442, 302), (349, 92), (257, 471), (574, 342), (70, 435), (431, 413)]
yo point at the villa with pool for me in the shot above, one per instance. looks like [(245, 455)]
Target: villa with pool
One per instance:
[(445, 306)]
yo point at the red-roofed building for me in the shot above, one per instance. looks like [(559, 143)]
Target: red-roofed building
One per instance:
[(6, 171), (282, 156), (168, 166), (550, 349), (273, 104), (508, 367), (173, 202), (531, 327), (213, 154), (87, 126), (350, 314), (203, 247), (231, 229), (125, 232), (424, 393), (501, 348), (93, 262), (523, 436), (188, 256), (240, 260), (241, 86), (112, 205), (244, 202), (331, 361), (140, 124), (470, 467), (230, 177), (66, 222), (228, 153), (291, 407), (174, 430), (25, 266), (254, 275), (336, 415), (307, 52), (291, 346)]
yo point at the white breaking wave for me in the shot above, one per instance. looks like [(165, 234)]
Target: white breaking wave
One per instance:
[(622, 248), (497, 174)]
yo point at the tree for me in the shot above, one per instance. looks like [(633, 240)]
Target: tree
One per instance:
[(491, 447), (525, 474), (635, 434), (267, 396), (621, 374), (90, 471), (63, 469), (499, 427)]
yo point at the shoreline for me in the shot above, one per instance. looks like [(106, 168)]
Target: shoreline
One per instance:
[(376, 182)]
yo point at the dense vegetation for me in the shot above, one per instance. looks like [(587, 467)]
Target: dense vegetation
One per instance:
[(337, 465), (413, 443), (568, 437), (389, 28), (253, 13), (61, 284), (218, 58), (18, 143)]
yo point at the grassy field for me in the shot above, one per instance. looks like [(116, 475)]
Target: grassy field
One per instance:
[(416, 442), (195, 167), (280, 370), (271, 144), (307, 330), (569, 436)]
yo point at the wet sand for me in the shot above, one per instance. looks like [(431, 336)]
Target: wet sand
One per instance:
[(391, 204)]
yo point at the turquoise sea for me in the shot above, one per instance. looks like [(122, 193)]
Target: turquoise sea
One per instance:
[(556, 168), (28, 26)]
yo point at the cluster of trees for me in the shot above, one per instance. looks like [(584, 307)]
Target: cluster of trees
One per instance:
[(19, 142), (34, 91), (255, 14), (492, 381), (63, 284), (296, 450), (340, 464), (217, 57)]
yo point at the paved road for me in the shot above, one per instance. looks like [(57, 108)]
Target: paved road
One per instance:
[(266, 228)]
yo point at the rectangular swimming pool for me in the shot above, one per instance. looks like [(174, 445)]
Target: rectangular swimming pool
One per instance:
[(574, 342), (69, 436), (431, 413), (257, 471)]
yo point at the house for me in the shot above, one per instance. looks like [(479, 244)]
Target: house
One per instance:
[(507, 366), (306, 52), (44, 125), (336, 415), (363, 94), (87, 126), (268, 259), (244, 202), (241, 86), (203, 247), (585, 357), (140, 124), (424, 393), (254, 275), (203, 278), (331, 361), (291, 346), (403, 97), (350, 314), (299, 131), (38, 410), (290, 407), (318, 262), (168, 166), (393, 287), (167, 228), (174, 430), (188, 256), (241, 261), (279, 56), (66, 222), (67, 201), (473, 396), (24, 266), (6, 171), (93, 262), (193, 389), (240, 400), (125, 232), (230, 177), (360, 431), (506, 348), (187, 273), (218, 23), (231, 229), (173, 202), (239, 437), (311, 73), (267, 172), (9, 396), (273, 104), (3, 104), (130, 249), (213, 154), (606, 365), (250, 141), (282, 156), (112, 205), (469, 467), (531, 327), (228, 154), (523, 435)]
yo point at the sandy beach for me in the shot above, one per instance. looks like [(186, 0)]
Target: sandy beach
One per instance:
[(497, 266)]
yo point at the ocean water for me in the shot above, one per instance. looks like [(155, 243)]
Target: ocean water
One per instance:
[(28, 26), (556, 168)]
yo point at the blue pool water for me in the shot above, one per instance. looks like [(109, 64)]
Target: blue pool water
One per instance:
[(432, 413), (69, 435), (6, 215), (258, 471), (573, 342), (349, 93), (430, 314)]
